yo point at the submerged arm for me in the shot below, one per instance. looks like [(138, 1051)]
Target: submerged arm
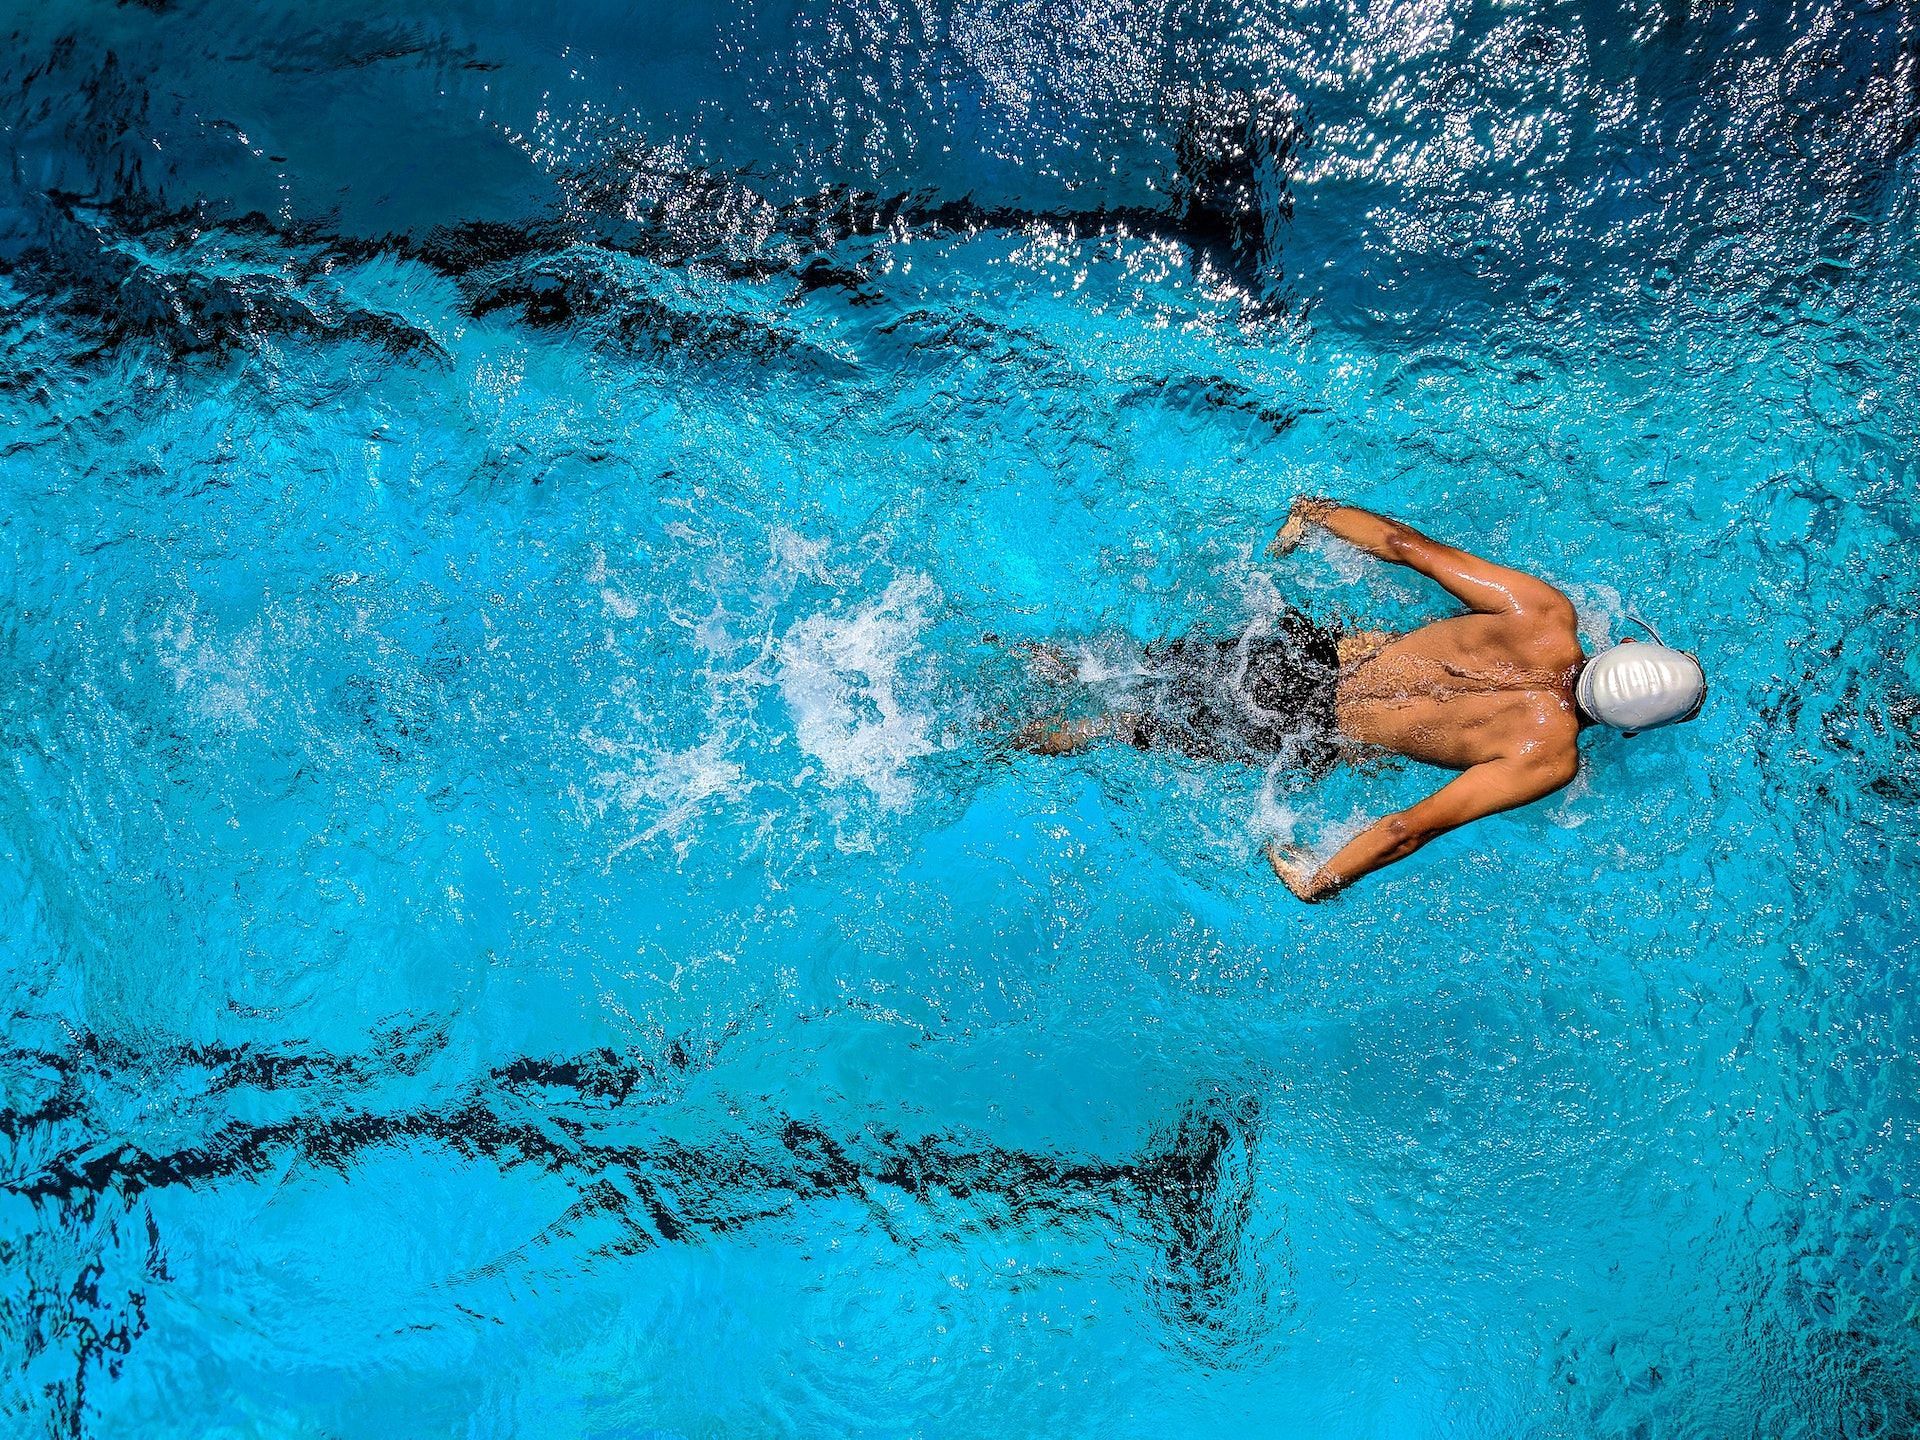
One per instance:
[(1484, 790), (1478, 584)]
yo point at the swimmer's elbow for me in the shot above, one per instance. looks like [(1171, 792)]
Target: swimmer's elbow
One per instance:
[(1404, 835), (1402, 543), (1557, 608), (1549, 774)]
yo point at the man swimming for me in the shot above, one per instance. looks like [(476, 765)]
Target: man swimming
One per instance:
[(1500, 694)]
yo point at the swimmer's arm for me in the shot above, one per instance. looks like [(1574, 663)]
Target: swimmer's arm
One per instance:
[(1484, 790), (1478, 584)]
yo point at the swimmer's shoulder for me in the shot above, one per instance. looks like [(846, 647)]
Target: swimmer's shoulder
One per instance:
[(1549, 747), (1544, 760), (1548, 637)]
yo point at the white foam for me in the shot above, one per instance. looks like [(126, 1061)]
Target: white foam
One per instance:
[(666, 788), (1350, 564), (840, 674), (1115, 668), (1569, 812), (793, 554), (1260, 592), (1273, 818)]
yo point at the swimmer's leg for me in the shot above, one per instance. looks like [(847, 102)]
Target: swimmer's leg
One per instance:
[(1060, 736)]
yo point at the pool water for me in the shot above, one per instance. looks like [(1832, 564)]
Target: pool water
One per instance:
[(518, 915)]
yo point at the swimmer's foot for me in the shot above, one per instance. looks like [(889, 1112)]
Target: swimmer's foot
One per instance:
[(1056, 736), (1059, 736)]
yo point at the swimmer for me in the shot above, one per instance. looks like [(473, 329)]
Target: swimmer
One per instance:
[(1499, 694)]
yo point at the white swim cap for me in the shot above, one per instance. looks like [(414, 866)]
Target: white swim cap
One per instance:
[(1640, 686)]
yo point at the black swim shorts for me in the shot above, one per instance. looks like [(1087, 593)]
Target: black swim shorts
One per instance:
[(1267, 695)]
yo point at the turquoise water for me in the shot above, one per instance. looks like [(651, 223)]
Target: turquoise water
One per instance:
[(517, 918)]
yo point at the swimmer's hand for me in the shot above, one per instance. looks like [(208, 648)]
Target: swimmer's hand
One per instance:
[(1296, 867), (1307, 510)]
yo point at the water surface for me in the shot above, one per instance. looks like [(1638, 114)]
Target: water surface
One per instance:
[(517, 922)]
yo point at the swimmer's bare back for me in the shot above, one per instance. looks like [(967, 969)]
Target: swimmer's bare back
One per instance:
[(1489, 693)]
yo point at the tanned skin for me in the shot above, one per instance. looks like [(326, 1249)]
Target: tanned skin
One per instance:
[(1489, 694)]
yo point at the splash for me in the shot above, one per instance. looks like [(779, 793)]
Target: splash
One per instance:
[(666, 789), (841, 678)]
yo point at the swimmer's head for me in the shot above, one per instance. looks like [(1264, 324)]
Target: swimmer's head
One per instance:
[(1636, 686)]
